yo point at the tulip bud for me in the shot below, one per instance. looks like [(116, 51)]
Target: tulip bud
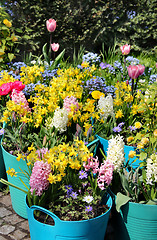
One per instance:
[(133, 71), (141, 69), (55, 47), (51, 25), (125, 49)]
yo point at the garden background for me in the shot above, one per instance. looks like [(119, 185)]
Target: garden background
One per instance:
[(90, 24)]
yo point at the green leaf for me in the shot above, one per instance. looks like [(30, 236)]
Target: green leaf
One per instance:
[(58, 58), (45, 54), (10, 56), (121, 200)]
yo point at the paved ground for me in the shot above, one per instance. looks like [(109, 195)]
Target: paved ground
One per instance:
[(14, 227)]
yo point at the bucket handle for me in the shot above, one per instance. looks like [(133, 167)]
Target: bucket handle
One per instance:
[(54, 217)]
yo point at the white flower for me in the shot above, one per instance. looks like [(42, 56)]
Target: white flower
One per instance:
[(151, 171), (88, 199), (105, 104), (60, 119), (115, 152)]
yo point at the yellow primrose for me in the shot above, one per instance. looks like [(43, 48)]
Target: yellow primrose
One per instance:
[(97, 94), (7, 23), (138, 125)]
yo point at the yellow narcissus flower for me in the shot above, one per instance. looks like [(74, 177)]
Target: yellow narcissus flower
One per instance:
[(129, 139), (138, 125), (140, 145), (155, 133), (14, 38), (97, 94), (1, 52), (85, 64), (119, 114), (132, 154), (145, 140), (7, 23), (11, 172)]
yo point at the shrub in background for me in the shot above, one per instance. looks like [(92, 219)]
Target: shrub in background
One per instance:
[(8, 39)]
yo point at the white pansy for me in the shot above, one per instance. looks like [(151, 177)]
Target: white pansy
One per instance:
[(60, 119), (115, 152), (151, 170), (105, 105), (88, 199)]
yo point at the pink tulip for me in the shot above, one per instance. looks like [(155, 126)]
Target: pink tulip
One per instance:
[(141, 69), (156, 65), (133, 71), (55, 47), (51, 25), (125, 49)]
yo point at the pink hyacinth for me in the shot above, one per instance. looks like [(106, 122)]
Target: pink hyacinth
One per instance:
[(19, 97), (92, 163), (105, 174), (69, 102), (39, 176), (41, 152)]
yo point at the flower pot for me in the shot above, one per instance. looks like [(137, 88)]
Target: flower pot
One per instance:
[(2, 167), (17, 196), (127, 149), (69, 230), (135, 221)]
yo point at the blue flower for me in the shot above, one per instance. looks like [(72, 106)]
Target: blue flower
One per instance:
[(73, 195), (88, 208), (117, 129), (82, 174)]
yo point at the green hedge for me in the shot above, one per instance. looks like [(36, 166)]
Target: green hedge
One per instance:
[(89, 23)]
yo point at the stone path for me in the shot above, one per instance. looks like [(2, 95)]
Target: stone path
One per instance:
[(14, 227)]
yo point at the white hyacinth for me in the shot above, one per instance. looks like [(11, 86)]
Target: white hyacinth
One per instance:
[(60, 119), (115, 152), (105, 104), (151, 171)]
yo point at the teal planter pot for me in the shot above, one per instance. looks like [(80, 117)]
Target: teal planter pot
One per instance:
[(17, 196), (2, 167), (92, 229), (135, 221)]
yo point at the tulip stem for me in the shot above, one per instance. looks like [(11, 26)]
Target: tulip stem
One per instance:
[(132, 87), (50, 45)]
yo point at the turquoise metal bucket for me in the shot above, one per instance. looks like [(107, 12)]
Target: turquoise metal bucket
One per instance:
[(92, 229), (17, 196), (104, 143), (134, 221)]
